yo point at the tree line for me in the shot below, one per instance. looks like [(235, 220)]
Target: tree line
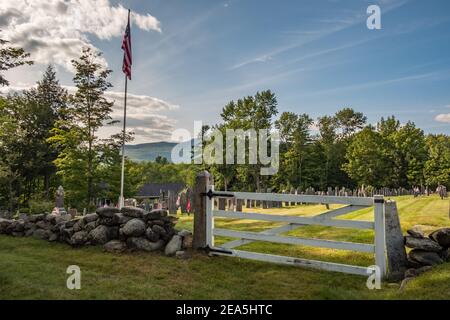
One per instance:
[(343, 150), (49, 137)]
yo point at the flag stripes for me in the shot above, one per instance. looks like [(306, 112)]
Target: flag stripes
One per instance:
[(126, 47)]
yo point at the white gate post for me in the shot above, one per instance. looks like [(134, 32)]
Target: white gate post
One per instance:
[(380, 234), (209, 219)]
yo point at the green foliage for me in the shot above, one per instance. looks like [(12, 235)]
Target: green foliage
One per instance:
[(37, 206), (11, 57), (437, 166)]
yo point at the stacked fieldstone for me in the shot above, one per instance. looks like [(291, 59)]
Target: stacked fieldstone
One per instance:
[(426, 251), (117, 230)]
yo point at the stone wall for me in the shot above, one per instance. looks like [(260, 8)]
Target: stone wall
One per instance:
[(117, 230)]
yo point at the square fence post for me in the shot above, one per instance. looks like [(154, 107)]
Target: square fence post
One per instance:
[(202, 181), (380, 234)]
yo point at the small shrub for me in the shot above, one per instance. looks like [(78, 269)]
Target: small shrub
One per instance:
[(40, 206)]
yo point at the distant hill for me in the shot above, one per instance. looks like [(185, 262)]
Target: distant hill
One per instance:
[(149, 151)]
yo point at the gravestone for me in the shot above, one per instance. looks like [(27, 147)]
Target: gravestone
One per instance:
[(59, 201)]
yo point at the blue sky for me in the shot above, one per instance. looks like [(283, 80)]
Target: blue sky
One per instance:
[(317, 56)]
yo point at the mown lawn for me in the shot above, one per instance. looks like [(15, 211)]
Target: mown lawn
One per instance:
[(34, 269)]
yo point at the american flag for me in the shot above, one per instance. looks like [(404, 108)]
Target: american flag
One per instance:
[(126, 47)]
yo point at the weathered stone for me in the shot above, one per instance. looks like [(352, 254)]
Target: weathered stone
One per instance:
[(52, 237), (133, 212), (40, 234), (18, 234), (445, 255), (416, 232), (63, 218), (99, 235), (50, 218), (422, 244), (134, 228), (107, 212), (410, 273), (4, 224), (79, 238), (170, 220), (78, 226), (441, 236), (19, 226), (67, 233), (119, 218), (173, 246), (43, 225), (107, 221), (425, 258), (115, 246), (70, 223), (144, 244), (90, 218), (155, 214), (159, 230), (151, 235), (37, 217), (91, 226)]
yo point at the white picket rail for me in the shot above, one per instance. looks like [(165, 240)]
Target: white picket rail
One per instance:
[(378, 248)]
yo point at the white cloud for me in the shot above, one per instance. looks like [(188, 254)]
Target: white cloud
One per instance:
[(54, 31), (144, 114), (444, 117)]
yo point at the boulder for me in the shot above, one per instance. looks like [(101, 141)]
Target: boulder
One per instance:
[(422, 244), (79, 238), (63, 218), (67, 233), (91, 226), (134, 228), (100, 235), (416, 232), (119, 218), (52, 236), (144, 244), (36, 217), (70, 223), (18, 234), (159, 230), (411, 273), (19, 226), (155, 214), (115, 246), (43, 225), (173, 246), (151, 235), (41, 234), (107, 212), (4, 224), (78, 226), (51, 218), (90, 218), (425, 258), (445, 255), (441, 236), (133, 212), (107, 221)]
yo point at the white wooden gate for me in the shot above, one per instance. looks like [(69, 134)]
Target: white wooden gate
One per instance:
[(378, 248)]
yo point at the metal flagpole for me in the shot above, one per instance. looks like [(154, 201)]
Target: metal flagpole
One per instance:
[(122, 177)]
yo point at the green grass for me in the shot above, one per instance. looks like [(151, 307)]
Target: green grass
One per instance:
[(34, 269)]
